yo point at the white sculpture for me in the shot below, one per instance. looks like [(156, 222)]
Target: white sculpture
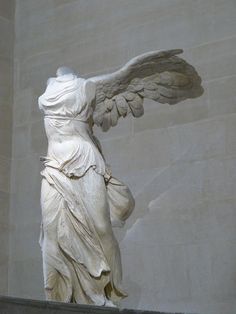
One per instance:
[(80, 198)]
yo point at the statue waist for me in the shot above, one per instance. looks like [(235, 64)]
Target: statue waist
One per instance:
[(66, 118)]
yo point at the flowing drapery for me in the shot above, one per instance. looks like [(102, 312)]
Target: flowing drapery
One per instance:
[(80, 253)]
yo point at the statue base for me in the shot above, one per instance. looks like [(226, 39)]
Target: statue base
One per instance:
[(9, 305)]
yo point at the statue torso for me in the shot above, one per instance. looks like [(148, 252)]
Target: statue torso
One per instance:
[(71, 145)]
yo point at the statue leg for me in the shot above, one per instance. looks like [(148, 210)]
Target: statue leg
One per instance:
[(99, 213), (57, 281)]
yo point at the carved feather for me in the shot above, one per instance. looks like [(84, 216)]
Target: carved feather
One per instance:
[(160, 76)]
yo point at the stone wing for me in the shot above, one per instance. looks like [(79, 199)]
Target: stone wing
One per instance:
[(158, 75)]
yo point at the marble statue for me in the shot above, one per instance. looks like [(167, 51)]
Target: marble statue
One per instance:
[(80, 198)]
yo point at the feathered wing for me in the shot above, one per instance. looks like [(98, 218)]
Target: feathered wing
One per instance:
[(159, 75)]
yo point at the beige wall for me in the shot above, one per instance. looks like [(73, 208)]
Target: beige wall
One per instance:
[(178, 248), (6, 92)]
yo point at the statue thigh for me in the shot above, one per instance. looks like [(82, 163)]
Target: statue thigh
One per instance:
[(95, 194)]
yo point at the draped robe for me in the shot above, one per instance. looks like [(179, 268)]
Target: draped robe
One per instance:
[(80, 201)]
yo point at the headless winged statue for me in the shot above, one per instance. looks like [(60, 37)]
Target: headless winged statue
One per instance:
[(80, 198)]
